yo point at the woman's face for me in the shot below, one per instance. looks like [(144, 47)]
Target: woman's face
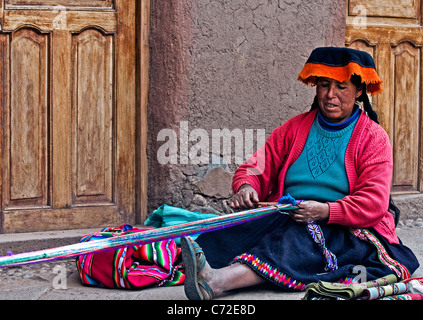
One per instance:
[(336, 99)]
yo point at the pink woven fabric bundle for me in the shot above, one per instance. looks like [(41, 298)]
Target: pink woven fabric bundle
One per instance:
[(140, 266)]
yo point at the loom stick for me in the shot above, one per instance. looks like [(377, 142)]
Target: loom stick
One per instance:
[(144, 237)]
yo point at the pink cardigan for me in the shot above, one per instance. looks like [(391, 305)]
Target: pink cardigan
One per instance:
[(368, 163)]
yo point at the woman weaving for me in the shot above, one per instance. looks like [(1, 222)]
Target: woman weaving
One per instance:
[(338, 159)]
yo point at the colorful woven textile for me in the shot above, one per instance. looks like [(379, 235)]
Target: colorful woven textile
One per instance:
[(383, 291), (414, 290), (318, 237), (400, 270), (153, 264), (271, 273), (386, 288), (414, 285), (323, 290), (406, 296)]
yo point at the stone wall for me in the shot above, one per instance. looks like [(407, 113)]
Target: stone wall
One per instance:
[(225, 68)]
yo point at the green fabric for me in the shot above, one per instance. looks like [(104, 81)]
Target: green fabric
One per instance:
[(166, 216), (319, 173), (330, 290)]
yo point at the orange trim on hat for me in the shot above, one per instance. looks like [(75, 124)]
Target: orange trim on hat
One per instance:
[(369, 76)]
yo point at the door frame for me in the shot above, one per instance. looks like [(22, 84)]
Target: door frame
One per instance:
[(142, 83)]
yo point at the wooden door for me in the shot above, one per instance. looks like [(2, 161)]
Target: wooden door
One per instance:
[(68, 118), (391, 31)]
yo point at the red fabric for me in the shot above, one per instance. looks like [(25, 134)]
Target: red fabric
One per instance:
[(368, 162), (140, 266)]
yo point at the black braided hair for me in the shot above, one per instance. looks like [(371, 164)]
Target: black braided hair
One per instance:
[(364, 98)]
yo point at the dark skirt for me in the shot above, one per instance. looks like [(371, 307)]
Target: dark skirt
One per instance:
[(283, 251)]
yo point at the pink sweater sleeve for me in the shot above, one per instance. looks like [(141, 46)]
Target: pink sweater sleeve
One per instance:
[(262, 170), (370, 174), (259, 171)]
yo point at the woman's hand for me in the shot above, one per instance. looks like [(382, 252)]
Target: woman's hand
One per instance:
[(245, 198), (310, 211)]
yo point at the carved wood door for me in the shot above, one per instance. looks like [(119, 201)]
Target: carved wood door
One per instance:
[(391, 31), (68, 114)]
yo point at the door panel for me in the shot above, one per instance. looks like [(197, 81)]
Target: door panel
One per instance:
[(27, 146), (386, 8), (68, 122), (93, 117), (405, 67)]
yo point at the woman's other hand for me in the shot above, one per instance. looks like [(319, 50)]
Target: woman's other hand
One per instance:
[(310, 211), (245, 198)]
